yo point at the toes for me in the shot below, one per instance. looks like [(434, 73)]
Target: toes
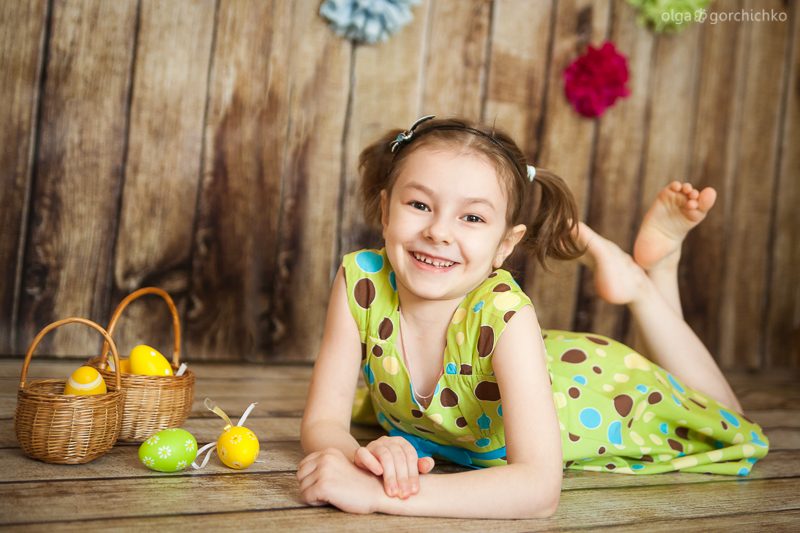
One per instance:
[(686, 188), (706, 199), (693, 194), (675, 186)]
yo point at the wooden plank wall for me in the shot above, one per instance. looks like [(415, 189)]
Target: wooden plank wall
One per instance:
[(210, 147)]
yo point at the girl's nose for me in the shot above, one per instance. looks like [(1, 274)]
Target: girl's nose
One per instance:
[(439, 231)]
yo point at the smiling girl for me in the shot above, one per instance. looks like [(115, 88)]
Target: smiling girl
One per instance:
[(456, 366)]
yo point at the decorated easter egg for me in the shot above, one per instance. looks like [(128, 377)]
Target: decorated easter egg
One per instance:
[(85, 381), (124, 366), (146, 361), (168, 450), (238, 447)]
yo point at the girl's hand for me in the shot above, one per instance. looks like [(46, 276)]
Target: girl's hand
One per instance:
[(329, 477), (396, 460)]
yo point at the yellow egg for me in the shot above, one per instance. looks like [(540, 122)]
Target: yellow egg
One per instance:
[(124, 366), (238, 447), (85, 381), (145, 361)]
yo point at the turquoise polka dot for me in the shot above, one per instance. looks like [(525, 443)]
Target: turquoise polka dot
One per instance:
[(451, 368), (675, 384), (590, 418), (478, 306), (500, 411), (752, 460), (411, 388), (719, 444), (580, 379), (483, 443), (615, 432), (674, 399), (484, 421), (642, 389), (664, 428), (437, 389), (730, 418), (755, 439), (393, 281), (369, 262), (637, 467), (744, 471), (369, 374), (381, 417)]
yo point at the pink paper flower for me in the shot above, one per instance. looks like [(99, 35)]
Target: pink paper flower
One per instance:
[(594, 81)]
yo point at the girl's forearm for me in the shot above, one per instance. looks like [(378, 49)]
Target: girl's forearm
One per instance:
[(513, 491), (321, 434)]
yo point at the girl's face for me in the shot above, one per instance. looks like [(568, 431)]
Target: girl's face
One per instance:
[(445, 224)]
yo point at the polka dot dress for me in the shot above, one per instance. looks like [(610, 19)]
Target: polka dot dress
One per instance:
[(618, 412)]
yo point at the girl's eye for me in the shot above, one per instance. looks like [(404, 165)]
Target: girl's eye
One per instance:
[(419, 205), (473, 218)]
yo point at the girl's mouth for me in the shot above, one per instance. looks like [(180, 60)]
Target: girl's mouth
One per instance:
[(429, 263)]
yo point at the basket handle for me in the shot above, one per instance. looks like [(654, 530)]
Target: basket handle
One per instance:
[(176, 323), (58, 323)]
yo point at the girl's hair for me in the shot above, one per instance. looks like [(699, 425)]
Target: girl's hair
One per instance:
[(550, 223)]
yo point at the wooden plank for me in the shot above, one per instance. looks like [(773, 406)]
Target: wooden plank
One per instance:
[(22, 32), (239, 206), (770, 418), (162, 165), (79, 172), (738, 521), (783, 313), (566, 148), (715, 122), (307, 248), (169, 498), (744, 283), (377, 73), (617, 162), (455, 67)]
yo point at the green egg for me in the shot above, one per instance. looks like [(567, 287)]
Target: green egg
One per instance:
[(169, 450)]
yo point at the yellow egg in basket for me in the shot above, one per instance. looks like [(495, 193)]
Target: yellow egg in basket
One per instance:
[(146, 361), (85, 381), (124, 366), (238, 447)]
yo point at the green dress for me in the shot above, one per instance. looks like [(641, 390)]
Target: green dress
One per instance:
[(618, 411)]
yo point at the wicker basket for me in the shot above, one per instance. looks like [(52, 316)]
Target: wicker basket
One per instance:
[(57, 428), (151, 403)]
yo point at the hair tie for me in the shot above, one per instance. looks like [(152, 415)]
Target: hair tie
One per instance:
[(531, 172)]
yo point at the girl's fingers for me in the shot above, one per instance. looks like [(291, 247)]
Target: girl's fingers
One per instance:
[(366, 461), (401, 471), (425, 464), (412, 469), (389, 473), (305, 469), (307, 481)]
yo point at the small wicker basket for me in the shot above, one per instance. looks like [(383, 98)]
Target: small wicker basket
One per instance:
[(57, 428), (151, 403)]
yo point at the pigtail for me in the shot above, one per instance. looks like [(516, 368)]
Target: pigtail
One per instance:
[(374, 165), (550, 233)]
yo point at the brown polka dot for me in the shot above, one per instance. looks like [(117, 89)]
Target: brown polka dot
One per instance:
[(394, 418), (675, 445), (377, 351), (363, 350), (611, 466), (364, 293), (647, 459), (682, 432), (724, 425), (544, 336), (685, 407), (574, 438), (385, 329), (487, 391), (416, 413), (501, 287), (574, 356), (568, 464), (574, 393), (630, 423), (466, 370), (461, 422), (422, 429), (601, 450), (654, 398), (387, 392), (448, 397), (493, 274), (485, 341), (623, 403), (508, 315), (597, 340), (597, 370), (698, 403)]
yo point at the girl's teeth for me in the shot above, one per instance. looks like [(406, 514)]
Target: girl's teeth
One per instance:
[(437, 264)]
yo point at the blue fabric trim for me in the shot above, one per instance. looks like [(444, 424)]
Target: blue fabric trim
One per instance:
[(426, 448)]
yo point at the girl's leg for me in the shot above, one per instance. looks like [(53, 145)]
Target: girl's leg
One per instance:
[(670, 341)]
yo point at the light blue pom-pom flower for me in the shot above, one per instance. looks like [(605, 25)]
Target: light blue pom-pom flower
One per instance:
[(368, 21)]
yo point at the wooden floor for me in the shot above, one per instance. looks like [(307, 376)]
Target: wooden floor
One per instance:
[(117, 492)]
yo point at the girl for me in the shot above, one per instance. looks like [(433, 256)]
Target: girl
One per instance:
[(453, 198)]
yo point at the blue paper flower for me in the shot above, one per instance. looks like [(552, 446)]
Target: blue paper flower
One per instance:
[(367, 21)]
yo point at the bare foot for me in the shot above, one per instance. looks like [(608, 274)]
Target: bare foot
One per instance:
[(617, 278), (678, 208)]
